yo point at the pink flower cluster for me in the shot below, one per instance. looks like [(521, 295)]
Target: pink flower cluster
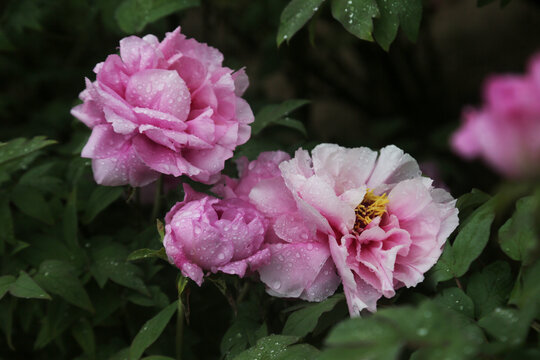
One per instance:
[(166, 107), (364, 219), (505, 132)]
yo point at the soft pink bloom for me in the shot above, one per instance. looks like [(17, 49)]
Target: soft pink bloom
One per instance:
[(300, 265), (165, 107), (315, 230), (505, 132), (206, 233)]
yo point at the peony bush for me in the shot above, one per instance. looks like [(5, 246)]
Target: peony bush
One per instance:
[(167, 221)]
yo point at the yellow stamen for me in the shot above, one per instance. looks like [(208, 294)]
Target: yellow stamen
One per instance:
[(371, 207)]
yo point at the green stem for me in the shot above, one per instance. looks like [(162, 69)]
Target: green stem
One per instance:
[(179, 329), (157, 199)]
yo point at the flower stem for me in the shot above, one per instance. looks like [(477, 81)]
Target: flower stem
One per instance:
[(157, 199), (179, 329)]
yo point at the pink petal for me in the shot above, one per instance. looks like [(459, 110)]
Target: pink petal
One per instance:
[(294, 269), (161, 90), (138, 54), (393, 166)]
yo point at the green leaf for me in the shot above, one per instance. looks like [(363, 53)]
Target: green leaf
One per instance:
[(455, 299), (507, 325), (299, 352), (435, 331), (16, 149), (292, 123), (302, 322), (468, 202), (161, 229), (133, 15), (110, 263), (6, 224), (356, 16), (490, 288), (517, 236), (148, 253), (32, 203), (468, 245), (272, 113), (69, 222), (102, 197), (84, 335), (60, 278), (408, 13), (5, 284), (25, 287), (239, 336), (157, 357), (268, 348), (60, 316), (527, 292), (295, 15), (150, 331)]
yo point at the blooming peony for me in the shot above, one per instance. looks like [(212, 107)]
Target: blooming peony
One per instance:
[(371, 217), (506, 130), (206, 233), (165, 107), (301, 265)]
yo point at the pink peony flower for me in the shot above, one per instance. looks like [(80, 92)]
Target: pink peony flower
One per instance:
[(506, 130), (165, 107), (206, 233), (300, 265), (369, 216)]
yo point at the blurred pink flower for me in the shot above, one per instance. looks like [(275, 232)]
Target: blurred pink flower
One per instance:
[(370, 216), (505, 132), (168, 107), (206, 233)]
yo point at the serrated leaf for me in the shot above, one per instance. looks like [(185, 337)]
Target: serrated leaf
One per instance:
[(32, 203), (133, 15), (302, 322), (490, 288), (271, 113), (100, 198), (457, 300), (148, 253), (5, 283), (356, 16), (60, 278), (295, 15), (150, 331), (408, 13), (517, 236), (25, 287)]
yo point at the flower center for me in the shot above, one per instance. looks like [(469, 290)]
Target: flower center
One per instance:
[(371, 206)]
